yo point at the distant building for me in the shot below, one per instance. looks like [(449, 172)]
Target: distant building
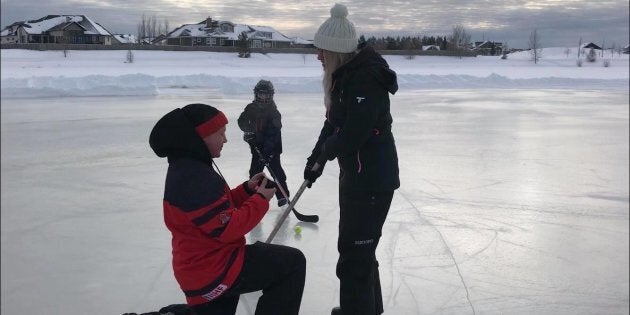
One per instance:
[(302, 43), (488, 48), (226, 34), (591, 45), (626, 49), (430, 47), (61, 29), (124, 39)]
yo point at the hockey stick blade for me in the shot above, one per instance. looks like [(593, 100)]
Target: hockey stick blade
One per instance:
[(311, 218)]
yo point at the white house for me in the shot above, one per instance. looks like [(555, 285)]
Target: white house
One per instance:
[(225, 33), (62, 29)]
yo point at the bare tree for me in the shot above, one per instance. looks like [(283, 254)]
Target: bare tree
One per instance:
[(459, 40), (534, 46), (153, 33), (150, 28), (142, 28), (592, 55)]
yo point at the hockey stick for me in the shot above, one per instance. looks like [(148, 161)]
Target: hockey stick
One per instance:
[(302, 217), (288, 209)]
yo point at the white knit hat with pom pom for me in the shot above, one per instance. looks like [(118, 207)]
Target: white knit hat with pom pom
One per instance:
[(337, 33)]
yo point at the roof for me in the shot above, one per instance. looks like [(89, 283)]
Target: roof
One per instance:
[(49, 22), (299, 40), (252, 31), (125, 38), (591, 45)]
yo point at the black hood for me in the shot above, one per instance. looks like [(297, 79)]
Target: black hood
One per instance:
[(174, 136), (368, 58)]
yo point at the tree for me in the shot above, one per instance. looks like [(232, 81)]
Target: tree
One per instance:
[(459, 39), (150, 28), (129, 57), (567, 51), (592, 55), (579, 47), (243, 45), (534, 46)]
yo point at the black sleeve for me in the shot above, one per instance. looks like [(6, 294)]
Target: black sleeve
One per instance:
[(327, 131), (273, 136), (245, 121)]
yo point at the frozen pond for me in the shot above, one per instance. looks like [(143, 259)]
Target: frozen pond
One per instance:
[(512, 202)]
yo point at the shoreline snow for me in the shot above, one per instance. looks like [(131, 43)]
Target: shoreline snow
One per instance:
[(37, 74)]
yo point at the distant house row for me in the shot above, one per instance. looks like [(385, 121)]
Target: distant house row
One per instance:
[(79, 29)]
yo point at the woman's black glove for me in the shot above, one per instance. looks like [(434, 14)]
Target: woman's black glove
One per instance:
[(311, 175), (250, 138)]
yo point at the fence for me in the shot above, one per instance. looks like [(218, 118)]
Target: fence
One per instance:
[(44, 47)]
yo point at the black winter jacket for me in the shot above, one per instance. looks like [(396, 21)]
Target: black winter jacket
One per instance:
[(357, 130), (264, 120)]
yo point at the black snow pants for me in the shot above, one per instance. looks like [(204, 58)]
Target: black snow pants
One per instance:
[(362, 215), (279, 271)]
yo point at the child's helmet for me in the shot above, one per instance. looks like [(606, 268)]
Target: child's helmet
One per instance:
[(264, 86), (263, 92)]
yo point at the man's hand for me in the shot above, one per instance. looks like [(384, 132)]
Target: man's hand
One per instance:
[(268, 193), (253, 182)]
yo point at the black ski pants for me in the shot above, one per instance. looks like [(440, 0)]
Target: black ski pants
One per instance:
[(279, 271), (362, 215), (256, 167)]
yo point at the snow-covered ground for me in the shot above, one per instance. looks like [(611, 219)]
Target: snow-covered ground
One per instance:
[(89, 73), (514, 196)]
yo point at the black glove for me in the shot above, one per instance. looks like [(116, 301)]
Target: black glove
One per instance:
[(264, 160), (310, 175), (250, 137)]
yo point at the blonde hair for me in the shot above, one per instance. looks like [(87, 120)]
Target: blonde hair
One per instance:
[(332, 62)]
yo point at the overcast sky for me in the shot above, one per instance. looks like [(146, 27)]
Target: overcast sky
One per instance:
[(558, 22)]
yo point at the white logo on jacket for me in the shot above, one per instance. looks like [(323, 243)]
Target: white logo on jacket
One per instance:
[(215, 292), (360, 98)]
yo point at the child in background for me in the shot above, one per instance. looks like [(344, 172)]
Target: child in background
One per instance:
[(261, 124)]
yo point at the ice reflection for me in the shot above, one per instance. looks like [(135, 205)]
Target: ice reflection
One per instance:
[(512, 202)]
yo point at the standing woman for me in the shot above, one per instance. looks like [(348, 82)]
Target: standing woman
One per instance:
[(357, 132)]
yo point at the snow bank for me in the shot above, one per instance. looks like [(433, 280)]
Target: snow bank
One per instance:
[(27, 74)]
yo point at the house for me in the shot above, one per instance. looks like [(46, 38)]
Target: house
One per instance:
[(430, 47), (124, 39), (626, 49), (488, 48), (160, 40), (226, 34), (591, 45), (61, 29), (299, 42)]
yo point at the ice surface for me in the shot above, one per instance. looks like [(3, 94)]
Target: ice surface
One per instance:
[(512, 201)]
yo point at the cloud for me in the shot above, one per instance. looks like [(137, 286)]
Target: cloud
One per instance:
[(559, 22)]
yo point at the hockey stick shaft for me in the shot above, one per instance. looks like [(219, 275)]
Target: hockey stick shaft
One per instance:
[(302, 217), (289, 208)]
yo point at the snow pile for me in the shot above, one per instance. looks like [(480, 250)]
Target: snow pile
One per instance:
[(28, 74)]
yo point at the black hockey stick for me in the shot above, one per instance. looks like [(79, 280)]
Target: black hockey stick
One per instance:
[(291, 205), (313, 218)]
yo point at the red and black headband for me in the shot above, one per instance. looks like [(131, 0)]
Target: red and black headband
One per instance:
[(211, 125)]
